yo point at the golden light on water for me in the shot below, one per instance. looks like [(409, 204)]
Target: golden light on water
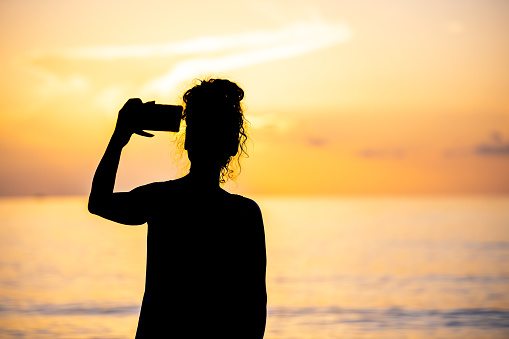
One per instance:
[(337, 267)]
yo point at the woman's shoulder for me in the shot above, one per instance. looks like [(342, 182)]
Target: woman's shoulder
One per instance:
[(179, 189), (245, 204), (157, 190), (249, 212), (160, 185)]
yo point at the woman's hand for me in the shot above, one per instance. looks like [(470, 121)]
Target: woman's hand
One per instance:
[(126, 122)]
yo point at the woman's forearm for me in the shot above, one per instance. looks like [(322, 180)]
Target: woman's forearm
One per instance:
[(105, 174), (101, 200)]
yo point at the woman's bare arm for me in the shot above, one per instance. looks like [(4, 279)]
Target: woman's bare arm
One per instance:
[(120, 207)]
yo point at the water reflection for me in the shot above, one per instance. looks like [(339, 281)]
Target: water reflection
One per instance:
[(349, 268)]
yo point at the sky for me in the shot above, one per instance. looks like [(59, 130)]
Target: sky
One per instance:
[(344, 97)]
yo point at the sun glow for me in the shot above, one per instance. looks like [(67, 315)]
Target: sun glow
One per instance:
[(400, 98)]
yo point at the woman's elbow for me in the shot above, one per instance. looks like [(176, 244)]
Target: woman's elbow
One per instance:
[(94, 206)]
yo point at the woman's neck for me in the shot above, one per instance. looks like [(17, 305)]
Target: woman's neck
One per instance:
[(205, 176)]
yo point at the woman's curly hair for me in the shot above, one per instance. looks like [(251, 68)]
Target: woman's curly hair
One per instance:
[(218, 103)]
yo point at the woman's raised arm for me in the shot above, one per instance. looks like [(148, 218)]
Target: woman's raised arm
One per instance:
[(120, 207)]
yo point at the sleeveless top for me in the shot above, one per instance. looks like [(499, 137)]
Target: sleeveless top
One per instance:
[(206, 264)]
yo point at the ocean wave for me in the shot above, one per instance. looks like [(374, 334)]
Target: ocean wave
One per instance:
[(395, 317), (70, 309), (392, 317)]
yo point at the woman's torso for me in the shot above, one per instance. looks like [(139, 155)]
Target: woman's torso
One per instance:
[(199, 254)]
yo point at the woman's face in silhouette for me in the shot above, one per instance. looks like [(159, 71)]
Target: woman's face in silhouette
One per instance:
[(205, 141)]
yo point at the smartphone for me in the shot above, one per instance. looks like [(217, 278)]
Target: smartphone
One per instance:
[(158, 117)]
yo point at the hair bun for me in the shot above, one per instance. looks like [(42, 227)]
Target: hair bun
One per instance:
[(229, 90)]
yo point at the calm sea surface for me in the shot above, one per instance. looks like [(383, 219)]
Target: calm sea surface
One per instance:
[(337, 268)]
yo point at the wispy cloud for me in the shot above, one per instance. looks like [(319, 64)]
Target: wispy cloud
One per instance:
[(254, 48), (319, 32), (317, 141), (214, 54), (380, 153), (496, 147), (486, 149)]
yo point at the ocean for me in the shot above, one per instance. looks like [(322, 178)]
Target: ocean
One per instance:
[(338, 267)]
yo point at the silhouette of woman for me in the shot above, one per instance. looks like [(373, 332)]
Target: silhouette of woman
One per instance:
[(206, 258)]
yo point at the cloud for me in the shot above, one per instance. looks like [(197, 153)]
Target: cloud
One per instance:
[(495, 147), (371, 153), (275, 123), (214, 54), (318, 31), (317, 141), (255, 48), (487, 149)]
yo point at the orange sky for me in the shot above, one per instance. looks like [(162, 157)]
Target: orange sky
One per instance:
[(345, 97)]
